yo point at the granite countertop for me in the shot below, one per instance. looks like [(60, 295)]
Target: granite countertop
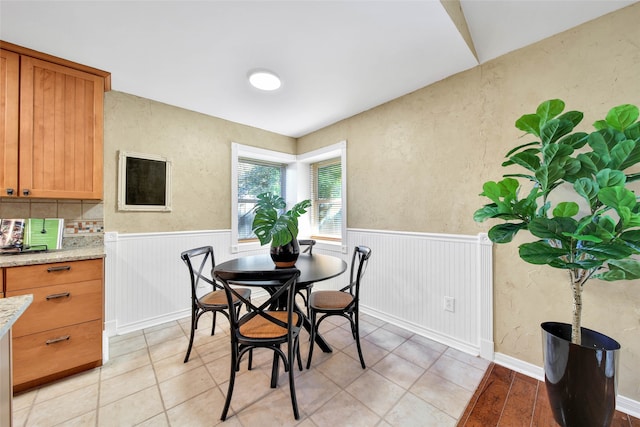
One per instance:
[(59, 255), (10, 309)]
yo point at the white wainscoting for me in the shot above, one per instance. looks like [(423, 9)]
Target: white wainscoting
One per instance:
[(408, 276)]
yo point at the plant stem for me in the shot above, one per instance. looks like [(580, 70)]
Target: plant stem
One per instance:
[(576, 287)]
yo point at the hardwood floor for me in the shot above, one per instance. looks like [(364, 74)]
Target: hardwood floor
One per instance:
[(507, 398)]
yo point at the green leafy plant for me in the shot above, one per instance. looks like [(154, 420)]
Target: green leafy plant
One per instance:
[(595, 233), (271, 226)]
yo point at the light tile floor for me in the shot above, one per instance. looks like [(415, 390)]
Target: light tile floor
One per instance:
[(409, 381)]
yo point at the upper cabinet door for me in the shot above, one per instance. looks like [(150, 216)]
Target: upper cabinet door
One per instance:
[(61, 131), (9, 107)]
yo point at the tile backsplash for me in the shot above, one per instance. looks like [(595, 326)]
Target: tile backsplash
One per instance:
[(83, 219)]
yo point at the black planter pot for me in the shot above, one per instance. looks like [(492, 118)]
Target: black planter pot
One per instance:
[(286, 255), (581, 379)]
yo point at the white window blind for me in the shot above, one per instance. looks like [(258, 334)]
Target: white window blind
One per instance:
[(326, 193)]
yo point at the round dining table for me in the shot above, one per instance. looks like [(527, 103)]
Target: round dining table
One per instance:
[(313, 268)]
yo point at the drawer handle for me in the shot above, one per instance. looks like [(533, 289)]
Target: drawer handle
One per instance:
[(55, 340), (60, 295), (60, 268)]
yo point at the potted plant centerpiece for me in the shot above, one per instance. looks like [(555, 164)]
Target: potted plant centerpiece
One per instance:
[(281, 229), (575, 199)]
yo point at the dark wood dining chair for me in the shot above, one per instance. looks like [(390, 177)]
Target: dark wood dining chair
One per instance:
[(305, 291), (344, 302), (200, 262), (263, 326)]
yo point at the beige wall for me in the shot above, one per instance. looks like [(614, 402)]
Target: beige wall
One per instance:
[(199, 148), (437, 145)]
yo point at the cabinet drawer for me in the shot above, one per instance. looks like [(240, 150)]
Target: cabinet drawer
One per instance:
[(33, 276), (58, 306), (47, 353)]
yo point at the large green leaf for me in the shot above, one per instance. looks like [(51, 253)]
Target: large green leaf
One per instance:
[(566, 209), (608, 250), (599, 145), (540, 252), (591, 162), (525, 159), (633, 157), (549, 109), (587, 188), (486, 212), (554, 129), (622, 116), (631, 237), (553, 152), (617, 197), (552, 228), (529, 123), (576, 140), (548, 175), (633, 132), (624, 154), (573, 117), (504, 233), (623, 269), (610, 178), (520, 147)]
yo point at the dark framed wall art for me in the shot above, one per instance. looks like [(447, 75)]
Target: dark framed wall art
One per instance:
[(144, 182)]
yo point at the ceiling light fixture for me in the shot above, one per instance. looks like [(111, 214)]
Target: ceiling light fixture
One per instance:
[(264, 80)]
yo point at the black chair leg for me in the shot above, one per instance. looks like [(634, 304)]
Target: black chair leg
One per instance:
[(312, 340), (193, 331), (213, 327), (274, 371), (232, 380), (357, 337), (298, 356), (292, 385)]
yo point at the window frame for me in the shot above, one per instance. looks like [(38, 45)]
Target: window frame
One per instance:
[(240, 151), (338, 150), (297, 187)]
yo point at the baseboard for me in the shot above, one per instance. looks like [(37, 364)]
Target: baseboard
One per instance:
[(425, 332), (147, 323), (623, 404)]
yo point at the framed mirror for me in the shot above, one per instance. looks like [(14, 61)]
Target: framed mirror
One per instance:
[(144, 182)]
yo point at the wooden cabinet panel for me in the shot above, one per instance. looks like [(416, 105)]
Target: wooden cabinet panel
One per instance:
[(58, 306), (9, 107), (61, 131), (51, 126), (47, 353), (33, 276), (61, 331)]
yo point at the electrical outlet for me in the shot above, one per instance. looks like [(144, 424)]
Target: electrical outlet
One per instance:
[(449, 304)]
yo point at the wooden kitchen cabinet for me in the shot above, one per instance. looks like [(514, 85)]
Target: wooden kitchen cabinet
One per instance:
[(52, 145), (61, 332), (9, 110)]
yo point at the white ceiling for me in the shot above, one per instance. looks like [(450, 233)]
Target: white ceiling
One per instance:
[(335, 58)]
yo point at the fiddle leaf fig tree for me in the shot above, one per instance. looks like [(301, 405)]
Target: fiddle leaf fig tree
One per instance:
[(271, 226), (577, 200)]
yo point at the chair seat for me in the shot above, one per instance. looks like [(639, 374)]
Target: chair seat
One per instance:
[(259, 327), (330, 300), (219, 298)]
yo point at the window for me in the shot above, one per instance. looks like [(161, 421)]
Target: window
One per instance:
[(256, 177), (326, 199), (255, 170), (322, 176)]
